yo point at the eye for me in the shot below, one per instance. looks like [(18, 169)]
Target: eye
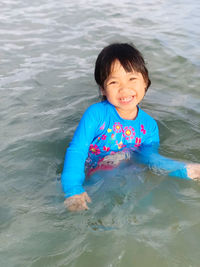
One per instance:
[(132, 78), (112, 82)]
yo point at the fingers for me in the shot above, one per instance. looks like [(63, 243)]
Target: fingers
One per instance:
[(76, 205), (77, 202), (83, 206), (87, 198), (71, 203), (193, 171)]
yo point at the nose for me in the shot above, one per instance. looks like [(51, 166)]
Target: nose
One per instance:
[(123, 87)]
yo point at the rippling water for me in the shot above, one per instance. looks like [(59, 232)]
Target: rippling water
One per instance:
[(47, 55)]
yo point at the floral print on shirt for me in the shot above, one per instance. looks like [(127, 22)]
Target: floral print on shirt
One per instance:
[(117, 137)]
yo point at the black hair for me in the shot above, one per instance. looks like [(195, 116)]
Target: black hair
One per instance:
[(129, 57)]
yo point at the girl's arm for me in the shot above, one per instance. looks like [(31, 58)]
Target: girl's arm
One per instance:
[(148, 154), (73, 175)]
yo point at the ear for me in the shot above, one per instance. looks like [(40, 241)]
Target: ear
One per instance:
[(102, 90)]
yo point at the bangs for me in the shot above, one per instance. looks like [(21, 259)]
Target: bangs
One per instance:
[(128, 65), (128, 56)]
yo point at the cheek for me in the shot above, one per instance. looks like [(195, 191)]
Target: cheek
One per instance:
[(142, 87), (111, 97), (107, 92), (142, 92)]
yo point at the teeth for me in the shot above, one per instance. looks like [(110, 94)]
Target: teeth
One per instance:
[(126, 99)]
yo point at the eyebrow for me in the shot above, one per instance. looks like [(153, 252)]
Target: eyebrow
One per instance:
[(112, 77), (133, 72), (128, 73)]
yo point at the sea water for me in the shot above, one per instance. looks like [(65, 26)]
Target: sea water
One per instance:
[(138, 217)]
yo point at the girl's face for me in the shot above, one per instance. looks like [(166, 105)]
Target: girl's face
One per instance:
[(124, 90)]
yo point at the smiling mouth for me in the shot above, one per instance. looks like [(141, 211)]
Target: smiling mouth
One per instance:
[(127, 99)]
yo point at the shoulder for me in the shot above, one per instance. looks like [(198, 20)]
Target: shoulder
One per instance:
[(97, 109), (150, 128), (97, 106), (147, 119), (95, 113)]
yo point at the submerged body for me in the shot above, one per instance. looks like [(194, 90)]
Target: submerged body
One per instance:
[(102, 132)]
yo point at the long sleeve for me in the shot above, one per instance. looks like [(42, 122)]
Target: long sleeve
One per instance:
[(148, 154), (73, 172)]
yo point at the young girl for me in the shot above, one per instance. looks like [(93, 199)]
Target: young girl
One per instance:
[(116, 129)]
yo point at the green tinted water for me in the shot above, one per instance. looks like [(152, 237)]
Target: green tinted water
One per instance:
[(47, 52)]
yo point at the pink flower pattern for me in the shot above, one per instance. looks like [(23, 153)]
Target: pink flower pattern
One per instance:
[(117, 127), (128, 132), (120, 145), (103, 126), (137, 142), (142, 129), (94, 149), (105, 148)]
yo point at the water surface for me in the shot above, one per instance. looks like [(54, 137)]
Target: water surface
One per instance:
[(47, 51)]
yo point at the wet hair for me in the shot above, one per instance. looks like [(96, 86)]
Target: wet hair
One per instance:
[(129, 57)]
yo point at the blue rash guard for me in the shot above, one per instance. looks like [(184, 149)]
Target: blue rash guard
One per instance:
[(101, 132)]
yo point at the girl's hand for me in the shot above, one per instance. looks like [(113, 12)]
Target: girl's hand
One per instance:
[(77, 202), (193, 170)]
